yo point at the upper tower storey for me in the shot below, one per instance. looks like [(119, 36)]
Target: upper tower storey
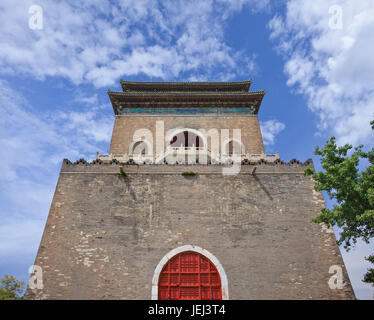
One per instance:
[(183, 98), (186, 108)]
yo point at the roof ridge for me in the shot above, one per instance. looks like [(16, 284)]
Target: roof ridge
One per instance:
[(186, 82), (184, 85), (186, 92)]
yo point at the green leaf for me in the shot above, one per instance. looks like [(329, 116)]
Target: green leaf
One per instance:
[(352, 189)]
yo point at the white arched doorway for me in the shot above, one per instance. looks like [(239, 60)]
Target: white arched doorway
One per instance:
[(208, 281)]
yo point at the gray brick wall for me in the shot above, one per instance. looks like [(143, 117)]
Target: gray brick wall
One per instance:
[(106, 233)]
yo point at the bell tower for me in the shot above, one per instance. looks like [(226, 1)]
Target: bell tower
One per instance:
[(164, 215)]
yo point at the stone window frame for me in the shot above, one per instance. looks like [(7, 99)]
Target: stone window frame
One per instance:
[(205, 253)]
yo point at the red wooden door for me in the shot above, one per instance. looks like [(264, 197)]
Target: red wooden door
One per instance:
[(189, 276)]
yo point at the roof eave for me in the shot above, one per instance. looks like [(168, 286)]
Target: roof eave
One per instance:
[(113, 102)]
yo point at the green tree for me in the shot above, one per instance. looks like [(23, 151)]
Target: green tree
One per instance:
[(353, 190), (11, 288)]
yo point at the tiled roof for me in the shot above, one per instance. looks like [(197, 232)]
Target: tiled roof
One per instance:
[(186, 86), (181, 94)]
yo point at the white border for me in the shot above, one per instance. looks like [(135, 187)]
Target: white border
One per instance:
[(206, 253)]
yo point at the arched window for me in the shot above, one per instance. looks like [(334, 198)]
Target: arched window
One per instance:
[(189, 273), (186, 139)]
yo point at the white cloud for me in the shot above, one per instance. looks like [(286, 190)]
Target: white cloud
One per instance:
[(333, 68), (87, 125), (20, 237), (98, 42), (270, 129), (33, 145), (92, 100), (33, 139)]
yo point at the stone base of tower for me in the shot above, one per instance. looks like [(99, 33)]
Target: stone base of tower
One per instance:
[(108, 233)]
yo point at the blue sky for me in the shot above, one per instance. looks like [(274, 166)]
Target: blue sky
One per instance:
[(318, 75)]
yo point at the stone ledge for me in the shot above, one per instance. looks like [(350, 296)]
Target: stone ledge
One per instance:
[(307, 163), (247, 167)]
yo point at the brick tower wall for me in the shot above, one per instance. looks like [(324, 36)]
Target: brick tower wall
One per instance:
[(106, 232), (125, 126)]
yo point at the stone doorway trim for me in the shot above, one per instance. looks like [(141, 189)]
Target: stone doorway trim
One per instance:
[(206, 253)]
